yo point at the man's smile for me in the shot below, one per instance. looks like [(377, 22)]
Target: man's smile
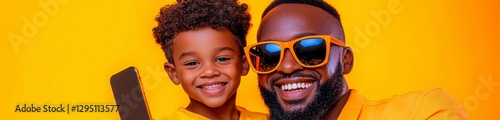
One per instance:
[(295, 88)]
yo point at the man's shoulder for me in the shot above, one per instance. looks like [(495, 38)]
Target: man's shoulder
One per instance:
[(436, 103), (422, 97), (422, 104)]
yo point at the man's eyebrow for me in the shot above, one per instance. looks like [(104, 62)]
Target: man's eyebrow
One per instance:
[(303, 35), (297, 36), (184, 54)]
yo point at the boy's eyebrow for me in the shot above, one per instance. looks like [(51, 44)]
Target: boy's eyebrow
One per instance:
[(224, 48), (184, 54)]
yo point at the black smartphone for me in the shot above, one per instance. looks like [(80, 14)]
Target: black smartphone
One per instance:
[(129, 95)]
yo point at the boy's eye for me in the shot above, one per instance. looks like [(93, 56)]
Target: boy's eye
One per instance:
[(222, 59), (191, 63)]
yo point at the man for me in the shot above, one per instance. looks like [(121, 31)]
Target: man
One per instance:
[(301, 60)]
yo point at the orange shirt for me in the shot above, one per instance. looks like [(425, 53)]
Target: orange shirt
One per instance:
[(183, 114), (418, 105)]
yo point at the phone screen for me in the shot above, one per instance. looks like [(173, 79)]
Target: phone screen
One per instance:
[(129, 95)]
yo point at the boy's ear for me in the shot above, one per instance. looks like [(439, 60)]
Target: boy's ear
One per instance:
[(245, 66), (348, 60), (172, 74)]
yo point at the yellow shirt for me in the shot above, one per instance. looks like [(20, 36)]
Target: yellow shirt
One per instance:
[(183, 114), (419, 105)]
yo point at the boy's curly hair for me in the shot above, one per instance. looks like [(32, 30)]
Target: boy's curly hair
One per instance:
[(188, 15)]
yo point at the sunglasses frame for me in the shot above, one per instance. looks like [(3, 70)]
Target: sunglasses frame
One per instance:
[(289, 45)]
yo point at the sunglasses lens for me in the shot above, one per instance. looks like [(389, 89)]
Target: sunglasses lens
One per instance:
[(265, 57), (310, 51)]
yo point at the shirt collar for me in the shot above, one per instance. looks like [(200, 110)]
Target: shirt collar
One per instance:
[(353, 106)]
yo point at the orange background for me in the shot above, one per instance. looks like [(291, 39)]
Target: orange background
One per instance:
[(406, 45)]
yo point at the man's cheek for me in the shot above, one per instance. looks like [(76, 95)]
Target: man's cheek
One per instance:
[(265, 85), (324, 73), (261, 79)]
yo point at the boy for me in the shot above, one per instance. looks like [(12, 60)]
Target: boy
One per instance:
[(203, 41)]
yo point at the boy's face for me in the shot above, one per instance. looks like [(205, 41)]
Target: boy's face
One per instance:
[(208, 65)]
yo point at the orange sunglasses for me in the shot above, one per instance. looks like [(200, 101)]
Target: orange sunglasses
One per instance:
[(309, 51)]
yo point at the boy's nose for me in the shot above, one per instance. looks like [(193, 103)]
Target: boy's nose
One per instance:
[(210, 70)]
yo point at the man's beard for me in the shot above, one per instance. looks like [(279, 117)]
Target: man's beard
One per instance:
[(323, 102)]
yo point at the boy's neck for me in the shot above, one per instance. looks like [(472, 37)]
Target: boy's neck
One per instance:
[(226, 111)]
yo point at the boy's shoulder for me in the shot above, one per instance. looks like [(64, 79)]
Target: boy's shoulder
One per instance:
[(183, 114), (249, 115)]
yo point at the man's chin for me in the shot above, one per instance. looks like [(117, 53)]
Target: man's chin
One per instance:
[(297, 105)]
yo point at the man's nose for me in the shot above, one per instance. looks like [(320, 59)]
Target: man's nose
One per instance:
[(209, 70), (289, 64)]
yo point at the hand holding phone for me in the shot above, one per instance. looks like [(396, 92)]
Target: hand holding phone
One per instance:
[(129, 95)]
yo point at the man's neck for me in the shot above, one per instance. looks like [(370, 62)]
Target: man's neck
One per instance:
[(226, 111), (335, 112)]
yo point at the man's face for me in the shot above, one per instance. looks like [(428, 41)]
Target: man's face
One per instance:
[(287, 22)]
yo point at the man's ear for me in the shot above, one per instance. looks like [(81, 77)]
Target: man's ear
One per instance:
[(244, 66), (172, 74), (347, 59)]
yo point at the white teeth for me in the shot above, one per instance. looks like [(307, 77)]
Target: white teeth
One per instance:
[(213, 86), (293, 86)]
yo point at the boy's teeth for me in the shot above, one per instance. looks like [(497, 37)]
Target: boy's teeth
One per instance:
[(293, 86), (213, 86)]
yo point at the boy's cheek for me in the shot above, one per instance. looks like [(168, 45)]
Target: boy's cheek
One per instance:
[(187, 78), (228, 68)]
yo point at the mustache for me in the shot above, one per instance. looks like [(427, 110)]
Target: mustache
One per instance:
[(293, 74)]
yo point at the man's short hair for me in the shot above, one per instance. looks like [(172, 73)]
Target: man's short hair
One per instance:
[(317, 3)]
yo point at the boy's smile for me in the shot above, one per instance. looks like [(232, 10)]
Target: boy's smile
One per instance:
[(212, 88)]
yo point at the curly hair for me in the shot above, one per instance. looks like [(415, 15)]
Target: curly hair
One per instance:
[(186, 15)]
